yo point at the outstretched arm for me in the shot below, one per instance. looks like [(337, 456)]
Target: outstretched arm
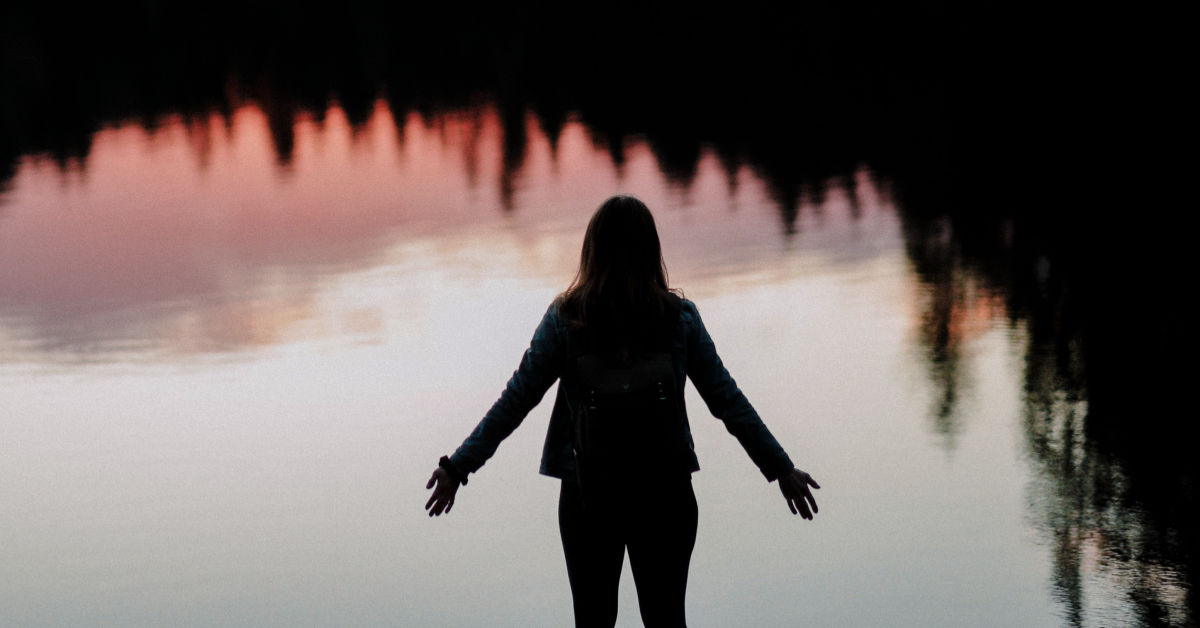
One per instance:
[(537, 371), (539, 368), (727, 402), (794, 486)]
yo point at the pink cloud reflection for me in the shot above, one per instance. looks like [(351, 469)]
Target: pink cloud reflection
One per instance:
[(195, 225), (192, 238)]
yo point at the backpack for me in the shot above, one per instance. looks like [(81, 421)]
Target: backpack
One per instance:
[(629, 427)]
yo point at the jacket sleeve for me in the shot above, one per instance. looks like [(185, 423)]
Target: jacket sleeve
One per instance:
[(728, 403), (539, 368)]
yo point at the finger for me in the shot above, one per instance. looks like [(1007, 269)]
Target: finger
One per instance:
[(812, 501), (813, 483), (791, 505), (449, 504), (432, 480), (432, 499), (804, 511)]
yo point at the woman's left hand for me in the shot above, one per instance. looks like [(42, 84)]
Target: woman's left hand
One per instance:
[(444, 487), (794, 487)]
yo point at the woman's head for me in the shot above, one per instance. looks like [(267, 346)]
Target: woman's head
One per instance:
[(621, 245), (620, 291)]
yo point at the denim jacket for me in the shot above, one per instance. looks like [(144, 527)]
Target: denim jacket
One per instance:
[(693, 355)]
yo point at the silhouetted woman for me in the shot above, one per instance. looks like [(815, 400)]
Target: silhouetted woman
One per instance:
[(619, 319)]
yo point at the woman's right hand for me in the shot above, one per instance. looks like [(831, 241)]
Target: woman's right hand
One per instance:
[(444, 487), (795, 488)]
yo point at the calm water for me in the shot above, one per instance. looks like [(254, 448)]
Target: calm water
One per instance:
[(226, 379), (261, 266)]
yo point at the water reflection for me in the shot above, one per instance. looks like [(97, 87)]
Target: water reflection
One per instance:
[(274, 154), (181, 233), (183, 238), (219, 491), (1114, 498), (738, 83), (1117, 516)]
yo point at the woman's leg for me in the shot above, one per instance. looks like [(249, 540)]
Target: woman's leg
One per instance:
[(595, 552), (661, 539)]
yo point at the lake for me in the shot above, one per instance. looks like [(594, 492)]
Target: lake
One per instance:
[(235, 339)]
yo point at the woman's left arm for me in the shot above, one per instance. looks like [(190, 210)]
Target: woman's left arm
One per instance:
[(727, 402)]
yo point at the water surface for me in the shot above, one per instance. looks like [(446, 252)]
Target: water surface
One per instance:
[(226, 376)]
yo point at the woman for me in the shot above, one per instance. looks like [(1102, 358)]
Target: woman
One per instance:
[(618, 314)]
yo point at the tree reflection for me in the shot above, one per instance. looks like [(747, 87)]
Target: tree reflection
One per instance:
[(801, 94), (1103, 508), (1115, 491)]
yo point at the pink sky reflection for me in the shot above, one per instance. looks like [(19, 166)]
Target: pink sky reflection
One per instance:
[(193, 237)]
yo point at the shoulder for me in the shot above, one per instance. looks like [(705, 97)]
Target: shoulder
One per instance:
[(689, 317), (552, 324), (554, 315), (561, 307), (688, 310)]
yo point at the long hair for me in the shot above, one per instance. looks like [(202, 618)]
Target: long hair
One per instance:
[(620, 298)]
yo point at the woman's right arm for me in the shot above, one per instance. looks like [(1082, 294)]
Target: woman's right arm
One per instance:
[(540, 367)]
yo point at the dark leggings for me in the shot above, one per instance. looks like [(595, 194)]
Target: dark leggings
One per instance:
[(659, 531)]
